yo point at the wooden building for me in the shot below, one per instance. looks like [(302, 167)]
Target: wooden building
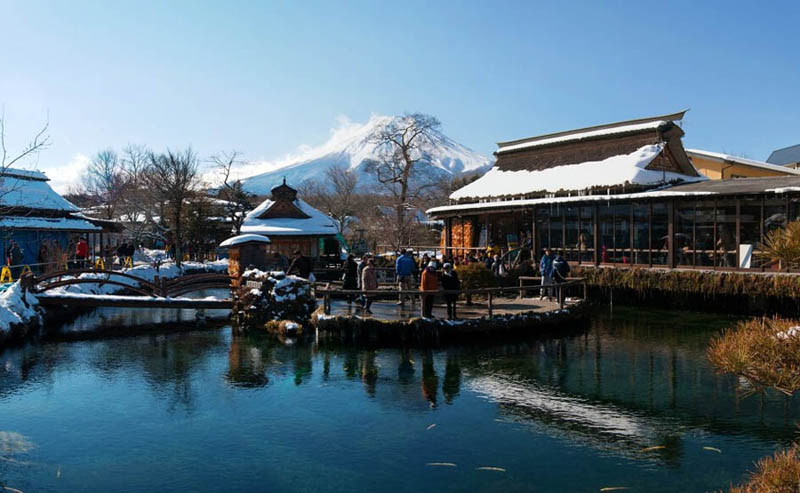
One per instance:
[(719, 166), (291, 224), (618, 194), (245, 251), (32, 215)]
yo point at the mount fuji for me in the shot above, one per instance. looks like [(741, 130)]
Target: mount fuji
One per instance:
[(350, 146)]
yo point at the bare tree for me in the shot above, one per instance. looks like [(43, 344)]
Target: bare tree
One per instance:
[(400, 144), (40, 141), (140, 205), (173, 176), (105, 179), (237, 201), (337, 195)]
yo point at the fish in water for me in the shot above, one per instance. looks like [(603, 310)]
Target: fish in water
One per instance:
[(614, 488), (650, 449), (431, 426), (440, 464), (713, 449), (490, 468)]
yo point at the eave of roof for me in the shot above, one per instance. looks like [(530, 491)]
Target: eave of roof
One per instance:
[(726, 158)]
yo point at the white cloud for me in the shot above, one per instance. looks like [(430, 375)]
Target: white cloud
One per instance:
[(63, 177)]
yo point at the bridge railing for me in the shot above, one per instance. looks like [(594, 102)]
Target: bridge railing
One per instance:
[(491, 293), (159, 287)]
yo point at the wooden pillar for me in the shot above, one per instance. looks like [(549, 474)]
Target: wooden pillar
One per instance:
[(534, 238), (738, 230), (490, 302), (595, 231), (448, 235), (671, 234)]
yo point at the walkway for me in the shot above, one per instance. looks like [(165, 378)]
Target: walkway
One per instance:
[(388, 310)]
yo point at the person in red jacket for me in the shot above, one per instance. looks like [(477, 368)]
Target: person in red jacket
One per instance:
[(82, 253)]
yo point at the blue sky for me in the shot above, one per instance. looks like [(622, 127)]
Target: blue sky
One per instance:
[(267, 77)]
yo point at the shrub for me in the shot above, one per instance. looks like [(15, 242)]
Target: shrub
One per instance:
[(766, 352), (783, 245), (475, 275), (778, 473), (280, 298)]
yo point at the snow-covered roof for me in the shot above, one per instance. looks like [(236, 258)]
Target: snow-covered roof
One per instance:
[(25, 173), (241, 239), (597, 131), (613, 171), (720, 157), (316, 224), (580, 135), (24, 188), (48, 223)]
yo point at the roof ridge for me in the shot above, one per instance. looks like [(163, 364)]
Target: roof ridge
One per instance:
[(668, 117)]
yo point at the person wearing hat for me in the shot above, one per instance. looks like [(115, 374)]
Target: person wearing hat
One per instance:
[(369, 282), (450, 282), (428, 285)]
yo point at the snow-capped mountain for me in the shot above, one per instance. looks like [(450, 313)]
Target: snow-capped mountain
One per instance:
[(350, 146)]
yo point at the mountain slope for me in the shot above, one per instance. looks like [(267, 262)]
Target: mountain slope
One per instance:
[(349, 146)]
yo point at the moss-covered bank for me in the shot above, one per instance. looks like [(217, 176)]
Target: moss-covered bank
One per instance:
[(727, 292)]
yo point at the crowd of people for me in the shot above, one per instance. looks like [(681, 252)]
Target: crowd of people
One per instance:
[(429, 276)]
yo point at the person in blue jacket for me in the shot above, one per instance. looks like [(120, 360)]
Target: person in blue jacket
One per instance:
[(404, 270), (546, 271)]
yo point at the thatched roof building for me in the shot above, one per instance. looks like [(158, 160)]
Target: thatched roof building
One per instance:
[(628, 156)]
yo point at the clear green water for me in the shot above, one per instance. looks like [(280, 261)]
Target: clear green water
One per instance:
[(204, 411)]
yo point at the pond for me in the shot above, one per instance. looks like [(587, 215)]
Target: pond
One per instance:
[(202, 410)]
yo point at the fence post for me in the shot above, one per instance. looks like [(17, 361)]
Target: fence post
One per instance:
[(585, 291), (490, 303), (326, 303), (519, 295), (561, 295)]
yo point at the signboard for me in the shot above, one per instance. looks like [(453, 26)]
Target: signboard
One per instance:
[(745, 255)]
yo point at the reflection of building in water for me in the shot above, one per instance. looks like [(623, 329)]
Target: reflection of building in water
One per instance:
[(246, 364)]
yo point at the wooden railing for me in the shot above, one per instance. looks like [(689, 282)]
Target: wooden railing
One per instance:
[(490, 293), (159, 287)]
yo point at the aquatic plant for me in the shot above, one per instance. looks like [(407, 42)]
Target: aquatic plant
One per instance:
[(777, 473), (765, 352)]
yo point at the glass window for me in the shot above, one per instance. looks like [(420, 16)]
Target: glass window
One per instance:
[(725, 243), (750, 228), (542, 228), (556, 227), (622, 233), (605, 230), (641, 233), (704, 234), (571, 233), (659, 238), (684, 234), (586, 238)]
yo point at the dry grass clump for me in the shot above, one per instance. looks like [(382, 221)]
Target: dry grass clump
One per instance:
[(784, 244), (766, 352), (778, 473)]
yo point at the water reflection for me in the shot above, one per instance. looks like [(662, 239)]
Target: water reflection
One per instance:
[(618, 390)]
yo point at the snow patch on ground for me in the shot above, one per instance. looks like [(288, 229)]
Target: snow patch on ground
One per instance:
[(16, 307)]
